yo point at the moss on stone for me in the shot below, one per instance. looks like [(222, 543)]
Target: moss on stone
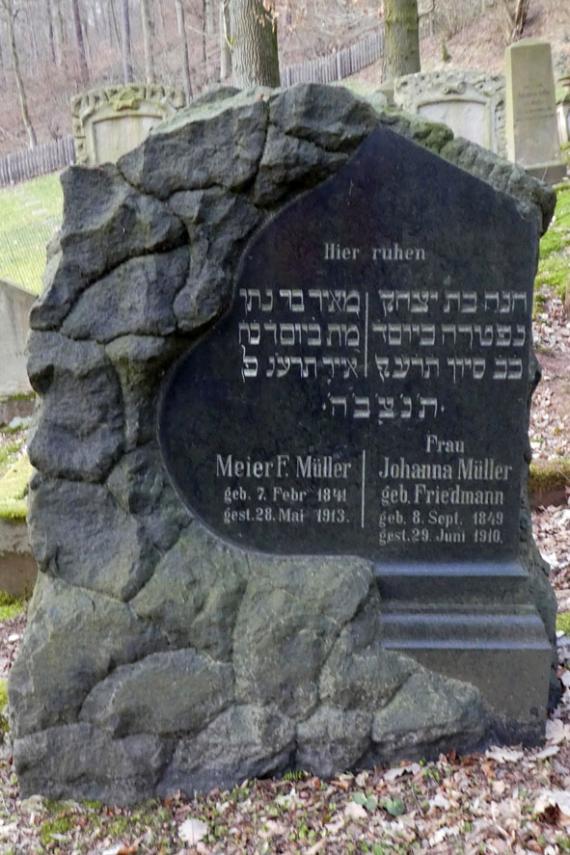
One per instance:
[(18, 396), (10, 606), (563, 622), (14, 490), (550, 475), (53, 827)]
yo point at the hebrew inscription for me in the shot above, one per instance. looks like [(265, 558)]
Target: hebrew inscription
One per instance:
[(366, 391)]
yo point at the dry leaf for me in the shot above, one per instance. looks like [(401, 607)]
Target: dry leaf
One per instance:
[(192, 831), (549, 798), (440, 801), (549, 751), (355, 811), (556, 731), (398, 771), (504, 755), (442, 834)]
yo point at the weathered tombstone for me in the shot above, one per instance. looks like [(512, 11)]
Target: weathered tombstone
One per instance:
[(18, 569), (111, 121), (531, 124), (471, 103), (284, 520), (563, 110), (15, 305)]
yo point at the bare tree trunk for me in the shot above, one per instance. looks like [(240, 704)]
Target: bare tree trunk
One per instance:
[(181, 19), (515, 18), (225, 35), (401, 38), (126, 42), (161, 18), (51, 34), (204, 31), (60, 32), (86, 42), (148, 39), (33, 36), (83, 69), (255, 56), (210, 16), (8, 8), (113, 25)]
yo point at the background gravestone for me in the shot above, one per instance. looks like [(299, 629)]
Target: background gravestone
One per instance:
[(471, 103), (177, 639), (15, 305), (563, 109), (111, 121), (531, 123)]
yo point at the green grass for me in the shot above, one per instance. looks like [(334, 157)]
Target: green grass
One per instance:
[(10, 607), (563, 622), (8, 455), (30, 214), (549, 475), (50, 830), (554, 265), (14, 489)]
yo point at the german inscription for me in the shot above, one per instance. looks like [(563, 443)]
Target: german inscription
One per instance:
[(366, 391)]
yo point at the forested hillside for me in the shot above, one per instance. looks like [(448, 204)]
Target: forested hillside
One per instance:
[(52, 49)]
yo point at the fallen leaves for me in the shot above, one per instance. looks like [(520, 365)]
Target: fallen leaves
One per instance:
[(557, 731), (553, 802), (504, 755), (192, 831)]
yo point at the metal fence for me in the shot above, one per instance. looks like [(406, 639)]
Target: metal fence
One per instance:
[(29, 163)]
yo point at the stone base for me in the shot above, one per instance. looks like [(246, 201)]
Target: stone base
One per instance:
[(18, 569), (550, 173), (488, 647), (18, 574), (21, 407), (477, 624)]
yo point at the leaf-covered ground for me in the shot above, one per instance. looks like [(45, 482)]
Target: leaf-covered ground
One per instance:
[(508, 800)]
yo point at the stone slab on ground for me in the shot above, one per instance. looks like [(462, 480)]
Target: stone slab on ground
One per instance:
[(18, 569), (15, 305)]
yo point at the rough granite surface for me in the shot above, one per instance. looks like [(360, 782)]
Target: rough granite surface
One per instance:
[(157, 657)]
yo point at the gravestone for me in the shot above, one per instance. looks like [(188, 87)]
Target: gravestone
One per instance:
[(110, 121), (531, 123), (15, 305), (563, 110), (280, 513), (471, 103)]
